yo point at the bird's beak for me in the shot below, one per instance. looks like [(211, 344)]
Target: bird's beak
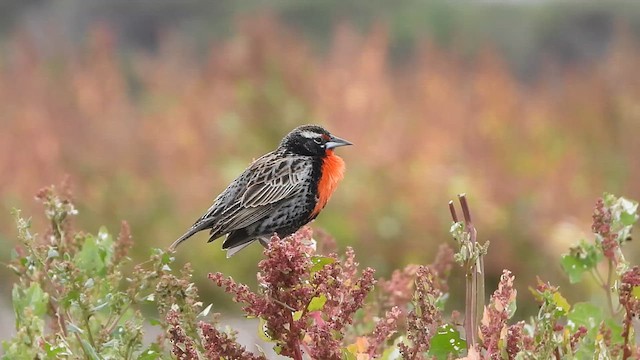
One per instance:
[(335, 141)]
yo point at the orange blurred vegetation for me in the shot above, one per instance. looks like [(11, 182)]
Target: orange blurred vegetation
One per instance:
[(152, 138)]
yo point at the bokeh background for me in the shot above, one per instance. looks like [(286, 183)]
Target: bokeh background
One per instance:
[(532, 108)]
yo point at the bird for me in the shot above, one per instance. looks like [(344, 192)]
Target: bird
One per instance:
[(278, 193)]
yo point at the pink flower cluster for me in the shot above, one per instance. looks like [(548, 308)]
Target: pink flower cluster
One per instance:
[(384, 329), (184, 348), (423, 321), (123, 243), (493, 328), (405, 290), (602, 227), (629, 281), (516, 341), (216, 344), (219, 345), (577, 336), (629, 300), (304, 309), (398, 290)]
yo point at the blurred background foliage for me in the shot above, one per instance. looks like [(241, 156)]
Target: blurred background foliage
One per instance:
[(531, 108)]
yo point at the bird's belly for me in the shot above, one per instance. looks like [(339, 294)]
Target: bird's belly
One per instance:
[(286, 218)]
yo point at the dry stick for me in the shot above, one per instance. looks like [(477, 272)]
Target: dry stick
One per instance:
[(452, 209)]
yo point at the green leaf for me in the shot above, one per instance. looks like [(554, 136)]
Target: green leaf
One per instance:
[(318, 262), (277, 349), (297, 315), (636, 292), (37, 299), (584, 314), (317, 303), (263, 332), (447, 341), (441, 301), (387, 354), (95, 255), (100, 306), (590, 316), (89, 259), (167, 258), (74, 328), (628, 211), (153, 352), (593, 345), (582, 258), (89, 350), (54, 350), (511, 308), (627, 218), (33, 298), (573, 267), (616, 330), (561, 303), (348, 355), (70, 297)]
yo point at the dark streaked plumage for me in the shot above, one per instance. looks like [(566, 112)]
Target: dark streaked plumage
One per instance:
[(278, 193)]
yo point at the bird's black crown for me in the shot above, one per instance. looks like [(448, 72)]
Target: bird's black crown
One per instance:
[(308, 140)]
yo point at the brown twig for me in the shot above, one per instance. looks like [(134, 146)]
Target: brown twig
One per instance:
[(452, 209)]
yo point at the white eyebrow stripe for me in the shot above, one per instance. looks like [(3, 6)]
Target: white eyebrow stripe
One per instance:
[(310, 134)]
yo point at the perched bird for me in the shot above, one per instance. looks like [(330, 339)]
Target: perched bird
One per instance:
[(278, 193)]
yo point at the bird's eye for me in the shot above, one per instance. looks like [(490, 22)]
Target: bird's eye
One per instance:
[(317, 141)]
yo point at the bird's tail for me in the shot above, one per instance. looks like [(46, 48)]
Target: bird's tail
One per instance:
[(197, 227)]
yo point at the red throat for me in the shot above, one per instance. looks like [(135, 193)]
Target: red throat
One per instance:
[(332, 172)]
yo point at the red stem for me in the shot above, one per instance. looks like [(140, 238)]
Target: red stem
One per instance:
[(626, 351), (297, 354)]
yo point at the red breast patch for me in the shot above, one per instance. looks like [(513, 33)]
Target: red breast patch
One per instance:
[(332, 173)]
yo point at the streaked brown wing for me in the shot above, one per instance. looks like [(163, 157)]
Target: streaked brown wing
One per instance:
[(271, 182), (275, 181)]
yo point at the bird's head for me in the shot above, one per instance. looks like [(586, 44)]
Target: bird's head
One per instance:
[(311, 140)]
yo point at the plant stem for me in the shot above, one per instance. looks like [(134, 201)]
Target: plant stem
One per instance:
[(89, 335), (111, 324), (597, 277), (626, 351), (297, 355), (86, 355), (283, 305), (468, 314), (480, 289), (474, 277), (608, 287), (474, 285)]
